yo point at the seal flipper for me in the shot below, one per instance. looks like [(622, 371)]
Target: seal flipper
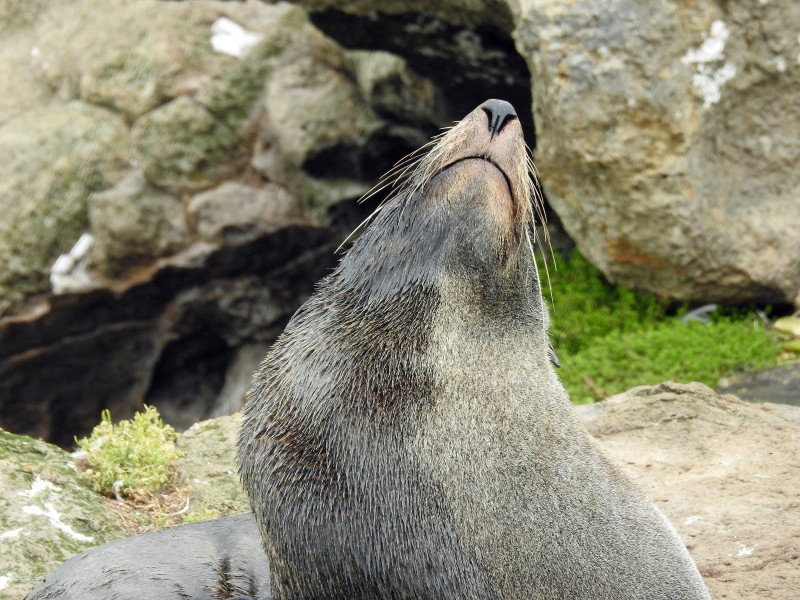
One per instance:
[(212, 560)]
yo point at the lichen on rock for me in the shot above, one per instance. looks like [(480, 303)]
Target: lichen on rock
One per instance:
[(46, 516), (133, 224), (51, 159)]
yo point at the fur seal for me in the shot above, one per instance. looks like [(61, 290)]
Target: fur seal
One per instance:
[(407, 435), (211, 560)]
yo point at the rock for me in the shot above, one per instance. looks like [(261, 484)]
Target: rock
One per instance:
[(166, 336), (788, 325), (465, 47), (51, 159), (182, 147), (221, 226), (46, 516), (468, 13), (725, 473), (209, 467), (123, 57), (792, 346), (134, 224), (779, 384), (668, 141), (234, 209)]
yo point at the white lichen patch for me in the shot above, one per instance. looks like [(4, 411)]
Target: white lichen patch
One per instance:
[(5, 580), (38, 486), (711, 72), (228, 37), (12, 534), (52, 515), (70, 272), (744, 550)]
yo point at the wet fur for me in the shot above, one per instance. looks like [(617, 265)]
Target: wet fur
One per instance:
[(407, 436)]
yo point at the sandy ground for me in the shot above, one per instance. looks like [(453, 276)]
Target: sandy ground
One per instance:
[(725, 472)]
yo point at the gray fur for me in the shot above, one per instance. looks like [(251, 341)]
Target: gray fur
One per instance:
[(407, 436), (212, 560)]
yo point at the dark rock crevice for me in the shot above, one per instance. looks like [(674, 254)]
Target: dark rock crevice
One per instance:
[(477, 62), (168, 340)]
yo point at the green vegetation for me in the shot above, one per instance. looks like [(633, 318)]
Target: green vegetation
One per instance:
[(609, 338), (140, 454)]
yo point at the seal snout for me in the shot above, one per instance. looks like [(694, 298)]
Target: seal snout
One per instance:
[(499, 113)]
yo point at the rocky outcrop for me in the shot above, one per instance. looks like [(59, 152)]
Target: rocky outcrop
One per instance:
[(725, 472), (45, 515), (147, 149), (666, 134), (48, 514), (168, 187)]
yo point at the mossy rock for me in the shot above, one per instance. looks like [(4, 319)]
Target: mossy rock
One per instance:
[(182, 147), (46, 515), (208, 465), (51, 159), (133, 224), (134, 55)]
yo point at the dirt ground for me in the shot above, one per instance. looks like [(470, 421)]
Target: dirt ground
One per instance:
[(725, 472)]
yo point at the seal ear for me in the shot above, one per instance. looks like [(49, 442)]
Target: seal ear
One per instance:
[(552, 354)]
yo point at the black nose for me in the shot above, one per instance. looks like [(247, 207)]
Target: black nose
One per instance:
[(499, 112)]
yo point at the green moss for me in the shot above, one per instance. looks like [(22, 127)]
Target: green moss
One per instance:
[(180, 146), (610, 338), (201, 513), (231, 97), (54, 159), (670, 350), (584, 306), (140, 453)]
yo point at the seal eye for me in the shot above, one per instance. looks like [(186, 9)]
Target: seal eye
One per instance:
[(499, 113)]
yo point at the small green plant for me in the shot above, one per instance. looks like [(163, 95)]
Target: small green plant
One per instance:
[(133, 458)]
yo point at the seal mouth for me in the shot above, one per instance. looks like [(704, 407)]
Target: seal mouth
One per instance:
[(485, 159)]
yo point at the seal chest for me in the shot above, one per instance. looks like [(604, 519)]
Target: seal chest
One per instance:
[(407, 436)]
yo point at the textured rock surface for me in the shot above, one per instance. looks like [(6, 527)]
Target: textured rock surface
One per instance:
[(667, 134), (51, 159), (134, 224), (669, 138), (45, 515), (209, 466), (725, 472)]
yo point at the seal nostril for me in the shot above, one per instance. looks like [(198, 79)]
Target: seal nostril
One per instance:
[(499, 113)]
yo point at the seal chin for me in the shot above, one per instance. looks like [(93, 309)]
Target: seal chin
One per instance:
[(485, 159), (480, 192)]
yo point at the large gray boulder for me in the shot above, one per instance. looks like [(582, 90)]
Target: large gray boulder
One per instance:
[(669, 139)]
